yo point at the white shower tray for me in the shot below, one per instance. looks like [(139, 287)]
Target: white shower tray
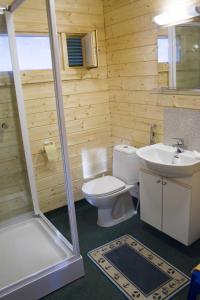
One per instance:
[(35, 259)]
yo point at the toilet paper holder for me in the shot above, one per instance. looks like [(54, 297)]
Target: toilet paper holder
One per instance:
[(45, 143), (50, 151)]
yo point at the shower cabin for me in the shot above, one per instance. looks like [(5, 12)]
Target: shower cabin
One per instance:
[(35, 258)]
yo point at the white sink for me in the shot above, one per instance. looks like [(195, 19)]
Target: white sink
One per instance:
[(161, 159)]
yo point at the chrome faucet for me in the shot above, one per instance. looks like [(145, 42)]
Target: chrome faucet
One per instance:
[(179, 145)]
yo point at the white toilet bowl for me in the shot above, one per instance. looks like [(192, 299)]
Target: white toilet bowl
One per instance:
[(112, 194), (109, 195)]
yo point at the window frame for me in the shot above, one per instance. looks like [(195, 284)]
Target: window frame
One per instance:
[(65, 62), (45, 75)]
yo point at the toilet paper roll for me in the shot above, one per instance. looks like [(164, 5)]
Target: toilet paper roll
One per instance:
[(51, 151)]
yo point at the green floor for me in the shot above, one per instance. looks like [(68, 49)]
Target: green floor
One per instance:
[(95, 285)]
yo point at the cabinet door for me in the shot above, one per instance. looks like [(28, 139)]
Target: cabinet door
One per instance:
[(176, 210), (151, 199)]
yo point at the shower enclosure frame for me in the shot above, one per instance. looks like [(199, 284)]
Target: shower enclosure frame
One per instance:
[(72, 268)]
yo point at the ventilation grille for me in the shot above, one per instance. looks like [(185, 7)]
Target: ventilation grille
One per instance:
[(74, 48)]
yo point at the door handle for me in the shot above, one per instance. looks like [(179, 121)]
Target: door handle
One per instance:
[(164, 183), (158, 181)]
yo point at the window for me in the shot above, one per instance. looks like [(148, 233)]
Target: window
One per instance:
[(75, 51), (163, 49), (80, 50), (5, 62), (34, 53)]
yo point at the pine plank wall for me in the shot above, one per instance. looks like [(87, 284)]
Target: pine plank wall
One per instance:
[(131, 38), (86, 104), (105, 106)]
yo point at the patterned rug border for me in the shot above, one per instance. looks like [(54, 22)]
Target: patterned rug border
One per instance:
[(165, 297)]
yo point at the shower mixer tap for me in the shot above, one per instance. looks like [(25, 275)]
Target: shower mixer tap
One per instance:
[(4, 126)]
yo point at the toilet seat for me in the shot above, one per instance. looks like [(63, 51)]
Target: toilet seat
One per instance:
[(103, 186)]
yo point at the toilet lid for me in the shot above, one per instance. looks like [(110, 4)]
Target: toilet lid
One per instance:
[(105, 185)]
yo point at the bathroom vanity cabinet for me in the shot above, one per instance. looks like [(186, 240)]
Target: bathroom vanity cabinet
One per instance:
[(171, 205)]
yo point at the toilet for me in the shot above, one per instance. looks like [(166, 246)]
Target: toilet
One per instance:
[(112, 194)]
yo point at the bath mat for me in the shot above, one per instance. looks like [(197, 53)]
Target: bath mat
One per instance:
[(137, 271)]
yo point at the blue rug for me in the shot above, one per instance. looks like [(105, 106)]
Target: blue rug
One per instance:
[(137, 271)]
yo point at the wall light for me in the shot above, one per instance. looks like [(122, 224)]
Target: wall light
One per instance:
[(177, 14)]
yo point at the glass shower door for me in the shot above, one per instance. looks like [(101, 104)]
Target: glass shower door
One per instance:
[(35, 258), (15, 198)]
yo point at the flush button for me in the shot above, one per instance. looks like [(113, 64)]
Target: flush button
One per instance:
[(125, 146)]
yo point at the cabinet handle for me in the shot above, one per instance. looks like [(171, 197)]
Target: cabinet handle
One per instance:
[(164, 183), (158, 181)]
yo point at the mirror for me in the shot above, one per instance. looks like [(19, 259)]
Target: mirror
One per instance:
[(179, 56)]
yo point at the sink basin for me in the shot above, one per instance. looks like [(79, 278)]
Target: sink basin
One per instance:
[(161, 159)]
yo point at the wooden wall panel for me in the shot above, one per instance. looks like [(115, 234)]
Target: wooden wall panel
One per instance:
[(133, 72), (86, 103), (104, 106)]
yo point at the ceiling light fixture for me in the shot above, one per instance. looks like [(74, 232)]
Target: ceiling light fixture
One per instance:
[(176, 15)]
